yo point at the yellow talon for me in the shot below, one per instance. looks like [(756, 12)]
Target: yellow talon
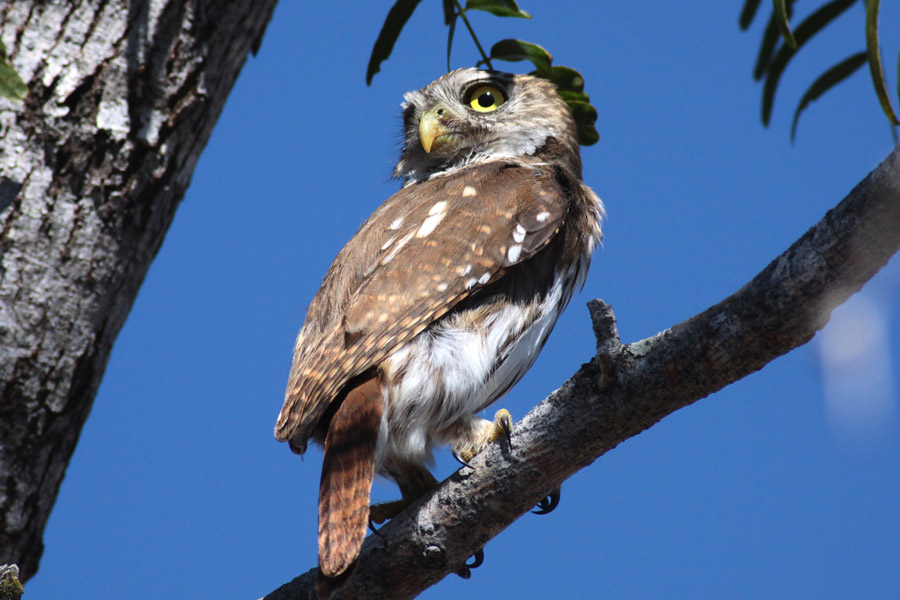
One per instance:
[(502, 425), (490, 433)]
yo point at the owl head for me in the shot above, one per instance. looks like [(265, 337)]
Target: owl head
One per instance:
[(471, 116)]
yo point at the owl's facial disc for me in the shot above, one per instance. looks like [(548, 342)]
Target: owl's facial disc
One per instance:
[(435, 134)]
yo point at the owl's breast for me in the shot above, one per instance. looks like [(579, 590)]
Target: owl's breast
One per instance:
[(463, 363)]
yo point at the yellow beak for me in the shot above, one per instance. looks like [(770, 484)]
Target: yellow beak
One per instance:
[(431, 130)]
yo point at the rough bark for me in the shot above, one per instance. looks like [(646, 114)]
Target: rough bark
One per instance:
[(626, 389), (122, 99)]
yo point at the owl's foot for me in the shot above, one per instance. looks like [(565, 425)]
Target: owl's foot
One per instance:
[(486, 433), (547, 503), (383, 511), (465, 571)]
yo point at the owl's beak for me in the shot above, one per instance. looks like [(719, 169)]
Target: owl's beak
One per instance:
[(433, 133)]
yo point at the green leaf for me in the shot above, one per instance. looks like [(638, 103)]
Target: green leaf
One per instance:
[(569, 83), (874, 54), (515, 50), (566, 78), (569, 96), (397, 17), (766, 49), (500, 8), (11, 85), (585, 117), (781, 18), (806, 30), (825, 82), (748, 12)]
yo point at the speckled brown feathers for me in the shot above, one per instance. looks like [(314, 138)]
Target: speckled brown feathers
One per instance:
[(492, 216), (348, 467), (444, 297)]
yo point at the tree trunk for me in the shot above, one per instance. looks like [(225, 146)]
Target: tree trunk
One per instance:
[(122, 99)]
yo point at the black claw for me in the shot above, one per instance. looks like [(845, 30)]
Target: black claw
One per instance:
[(374, 529), (461, 461), (465, 571), (548, 503), (477, 560)]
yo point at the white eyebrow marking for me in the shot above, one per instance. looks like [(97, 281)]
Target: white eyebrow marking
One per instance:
[(513, 253), (438, 207), (429, 224), (469, 191), (542, 216), (396, 223), (519, 234)]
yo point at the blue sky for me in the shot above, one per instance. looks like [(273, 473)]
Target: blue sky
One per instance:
[(783, 485)]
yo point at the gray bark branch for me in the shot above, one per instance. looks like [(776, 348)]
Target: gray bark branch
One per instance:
[(122, 98), (626, 389)]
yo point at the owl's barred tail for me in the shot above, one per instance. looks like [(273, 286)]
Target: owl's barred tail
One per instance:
[(348, 468)]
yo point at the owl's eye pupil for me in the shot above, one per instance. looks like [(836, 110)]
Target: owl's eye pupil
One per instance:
[(486, 99)]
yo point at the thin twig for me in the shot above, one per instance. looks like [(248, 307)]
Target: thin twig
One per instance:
[(462, 15)]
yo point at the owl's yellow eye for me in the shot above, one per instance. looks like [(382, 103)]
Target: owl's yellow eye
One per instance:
[(486, 98)]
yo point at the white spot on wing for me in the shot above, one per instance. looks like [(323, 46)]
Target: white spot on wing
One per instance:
[(387, 244), (514, 252), (469, 191), (542, 216), (442, 287), (396, 223), (402, 242), (484, 278), (519, 234), (430, 223), (465, 270), (438, 207), (471, 282)]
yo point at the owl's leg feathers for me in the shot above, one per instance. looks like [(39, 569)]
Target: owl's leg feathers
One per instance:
[(481, 434), (348, 468)]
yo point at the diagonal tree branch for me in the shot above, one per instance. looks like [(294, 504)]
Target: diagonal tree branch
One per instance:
[(626, 389)]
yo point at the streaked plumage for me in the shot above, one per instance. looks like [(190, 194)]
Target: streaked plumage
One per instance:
[(444, 297)]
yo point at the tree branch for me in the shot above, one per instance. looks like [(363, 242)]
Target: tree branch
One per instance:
[(626, 389)]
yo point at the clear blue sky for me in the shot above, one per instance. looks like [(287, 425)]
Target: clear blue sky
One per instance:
[(784, 485)]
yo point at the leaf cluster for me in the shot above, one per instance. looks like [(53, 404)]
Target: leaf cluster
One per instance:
[(780, 43), (569, 82)]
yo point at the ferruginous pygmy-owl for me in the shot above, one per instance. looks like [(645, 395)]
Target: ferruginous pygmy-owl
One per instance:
[(442, 300)]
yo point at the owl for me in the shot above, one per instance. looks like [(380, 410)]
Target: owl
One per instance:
[(443, 299)]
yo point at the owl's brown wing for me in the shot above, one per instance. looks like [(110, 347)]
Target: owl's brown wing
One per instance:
[(427, 248)]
